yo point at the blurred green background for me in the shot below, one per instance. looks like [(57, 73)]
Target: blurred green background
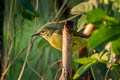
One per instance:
[(24, 17)]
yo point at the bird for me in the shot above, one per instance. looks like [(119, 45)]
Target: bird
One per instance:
[(54, 37)]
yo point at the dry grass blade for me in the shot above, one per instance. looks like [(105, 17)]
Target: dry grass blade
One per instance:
[(33, 70), (55, 78), (26, 58), (58, 61), (60, 10), (10, 64), (62, 21), (8, 57)]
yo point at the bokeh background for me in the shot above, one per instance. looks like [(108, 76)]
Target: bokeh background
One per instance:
[(23, 18)]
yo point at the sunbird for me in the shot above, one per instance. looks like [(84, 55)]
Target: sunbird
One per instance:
[(54, 37)]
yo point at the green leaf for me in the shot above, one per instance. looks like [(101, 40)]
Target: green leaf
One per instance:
[(99, 15), (82, 69), (81, 22), (82, 8), (104, 57), (95, 15), (84, 60), (95, 56), (99, 71), (102, 35), (116, 46), (115, 72), (111, 19)]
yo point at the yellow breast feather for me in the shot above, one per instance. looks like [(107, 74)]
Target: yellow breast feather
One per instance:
[(78, 42)]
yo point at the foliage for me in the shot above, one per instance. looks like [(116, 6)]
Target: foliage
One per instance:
[(107, 30), (24, 17)]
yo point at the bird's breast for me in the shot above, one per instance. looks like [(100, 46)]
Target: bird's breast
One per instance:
[(56, 41)]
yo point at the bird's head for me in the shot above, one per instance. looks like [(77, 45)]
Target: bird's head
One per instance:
[(45, 32)]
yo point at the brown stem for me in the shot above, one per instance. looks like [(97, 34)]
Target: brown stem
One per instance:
[(66, 54)]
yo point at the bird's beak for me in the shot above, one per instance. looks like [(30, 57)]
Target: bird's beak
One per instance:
[(36, 34)]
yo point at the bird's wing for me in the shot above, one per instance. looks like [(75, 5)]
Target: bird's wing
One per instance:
[(74, 33), (58, 32), (79, 34)]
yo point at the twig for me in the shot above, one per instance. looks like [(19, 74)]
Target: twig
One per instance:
[(9, 54), (106, 75), (93, 73), (49, 23), (10, 64), (36, 65), (33, 70), (8, 26), (55, 6), (58, 61), (26, 58), (64, 3), (55, 78), (36, 7), (14, 59), (11, 8), (63, 11)]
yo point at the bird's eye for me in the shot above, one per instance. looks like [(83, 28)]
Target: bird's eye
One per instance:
[(43, 32)]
